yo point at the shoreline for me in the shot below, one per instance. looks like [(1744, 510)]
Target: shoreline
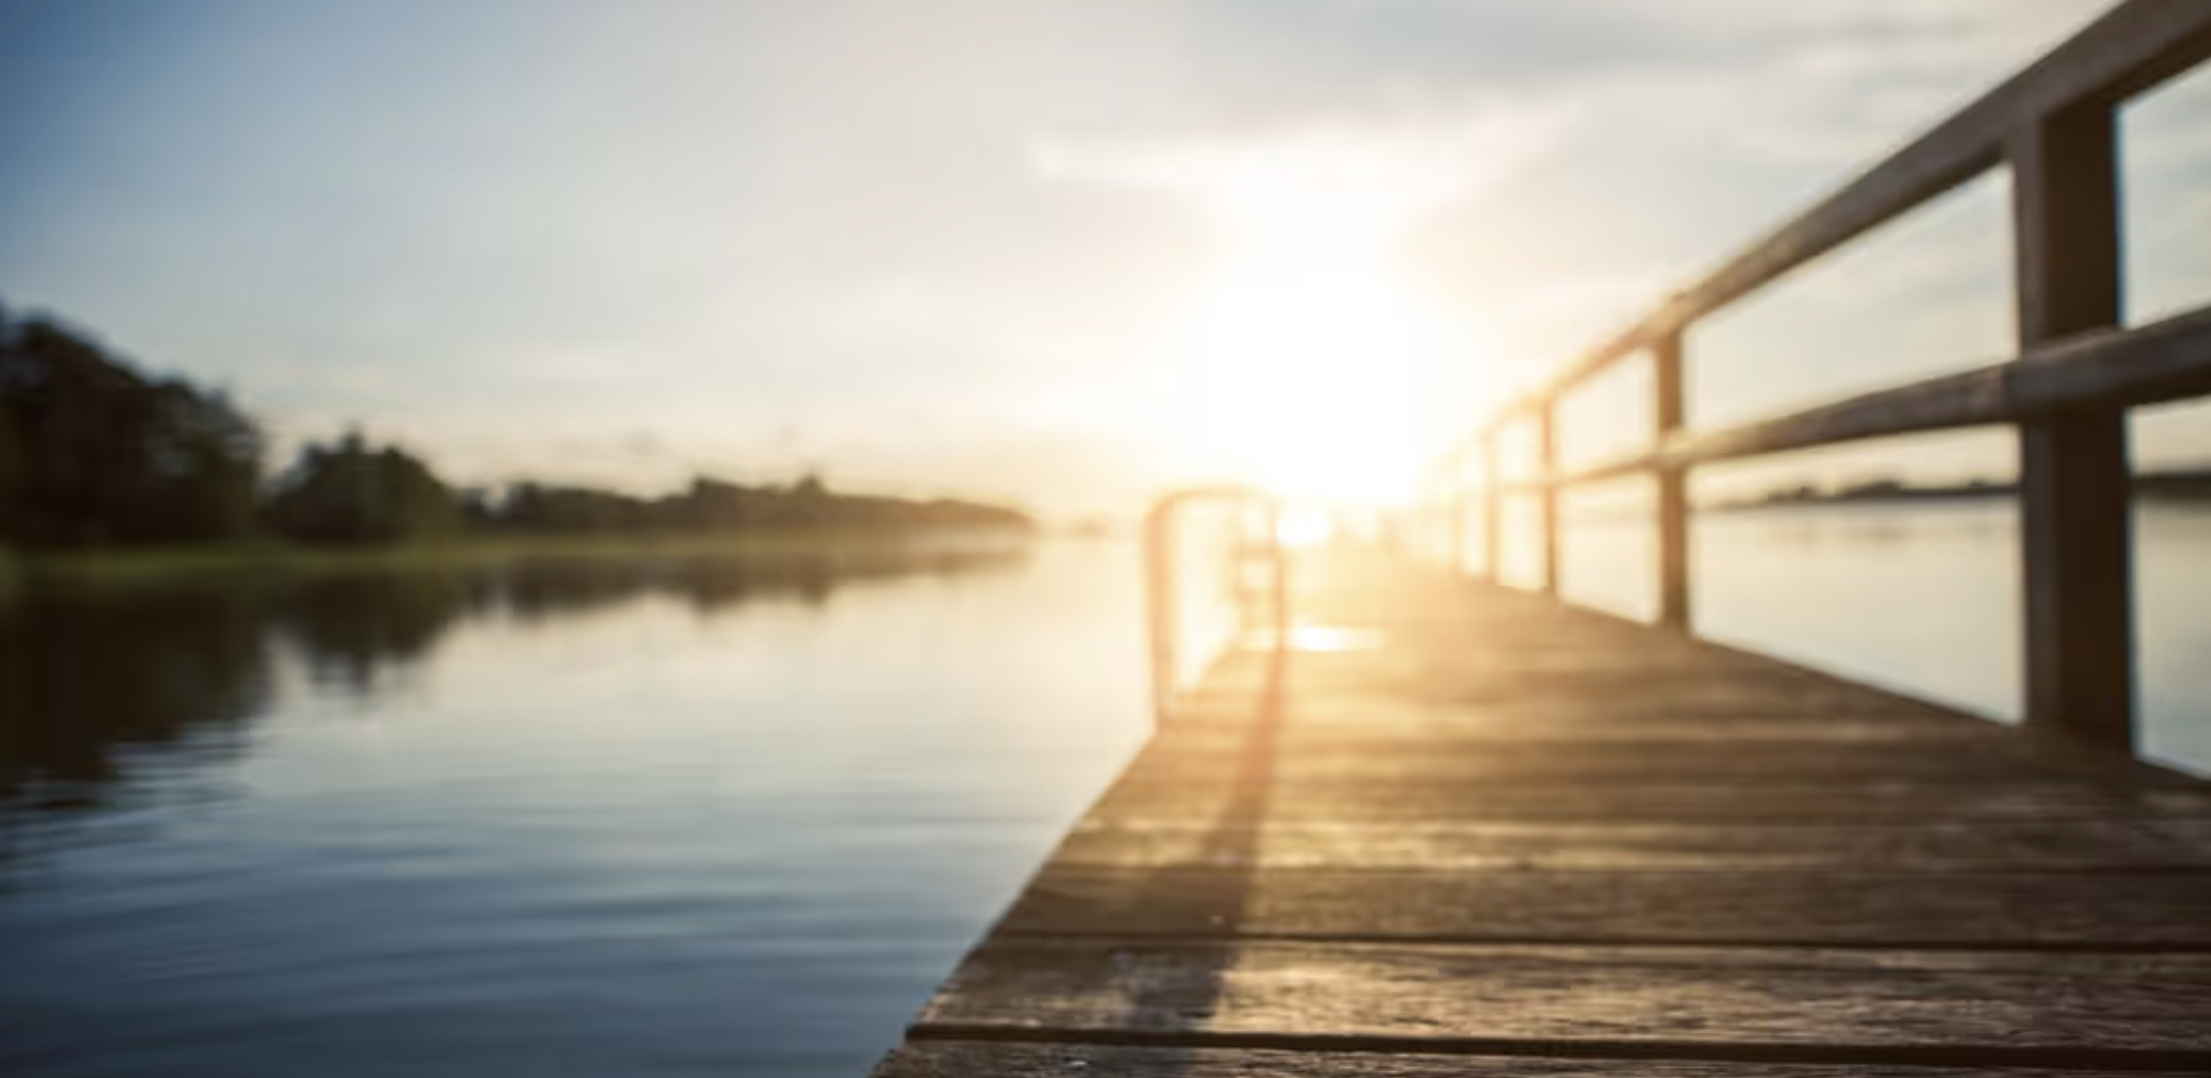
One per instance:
[(24, 572), (2164, 493)]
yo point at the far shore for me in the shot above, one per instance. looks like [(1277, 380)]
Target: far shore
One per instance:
[(2193, 486), (22, 571)]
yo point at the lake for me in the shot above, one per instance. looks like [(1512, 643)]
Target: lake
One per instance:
[(728, 818), (1923, 598), (679, 820)]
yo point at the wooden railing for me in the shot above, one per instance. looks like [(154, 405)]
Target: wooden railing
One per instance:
[(1251, 539), (2067, 393)]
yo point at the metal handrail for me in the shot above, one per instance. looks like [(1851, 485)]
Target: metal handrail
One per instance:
[(1162, 591)]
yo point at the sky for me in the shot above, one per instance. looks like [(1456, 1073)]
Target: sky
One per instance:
[(1062, 253)]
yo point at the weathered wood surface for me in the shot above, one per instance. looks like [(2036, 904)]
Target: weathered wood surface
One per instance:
[(1467, 831), (966, 1060), (1931, 908), (1497, 995), (2164, 361), (1457, 846)]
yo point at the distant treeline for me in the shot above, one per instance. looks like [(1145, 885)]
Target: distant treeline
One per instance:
[(94, 452), (2181, 483), (1881, 490)]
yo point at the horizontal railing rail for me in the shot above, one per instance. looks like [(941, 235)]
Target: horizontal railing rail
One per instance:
[(2068, 391), (2156, 364)]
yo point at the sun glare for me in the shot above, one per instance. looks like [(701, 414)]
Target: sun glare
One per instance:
[(1304, 527), (1306, 359)]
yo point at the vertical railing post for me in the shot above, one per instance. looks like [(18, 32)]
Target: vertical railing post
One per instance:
[(1673, 485), (1159, 604), (1278, 560), (1546, 458), (1493, 509), (2074, 480), (1454, 503)]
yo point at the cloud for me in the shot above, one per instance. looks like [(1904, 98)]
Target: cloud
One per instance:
[(932, 240), (1414, 159)]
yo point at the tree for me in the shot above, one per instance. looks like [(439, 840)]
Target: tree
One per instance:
[(94, 452), (349, 493)]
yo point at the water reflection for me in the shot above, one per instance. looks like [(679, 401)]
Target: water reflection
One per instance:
[(89, 679), (79, 680), (661, 817)]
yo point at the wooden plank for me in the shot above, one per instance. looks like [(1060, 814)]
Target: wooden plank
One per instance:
[(1138, 796), (1500, 830), (1515, 634), (2166, 361), (1459, 846), (1504, 677), (2036, 1003), (1713, 696), (970, 1059), (1978, 397), (1549, 688), (1558, 723), (1624, 759), (2169, 910)]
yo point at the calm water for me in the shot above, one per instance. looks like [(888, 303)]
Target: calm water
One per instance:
[(686, 821), (678, 821), (1922, 598)]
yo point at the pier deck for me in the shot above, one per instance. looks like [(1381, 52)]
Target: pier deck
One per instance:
[(1462, 830), (1458, 829)]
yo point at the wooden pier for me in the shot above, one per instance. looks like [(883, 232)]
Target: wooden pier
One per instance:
[(1456, 829), (1421, 824)]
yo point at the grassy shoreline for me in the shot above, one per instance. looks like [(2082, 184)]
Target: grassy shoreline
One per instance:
[(22, 571)]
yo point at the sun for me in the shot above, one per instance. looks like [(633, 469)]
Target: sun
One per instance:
[(1305, 363), (1304, 526)]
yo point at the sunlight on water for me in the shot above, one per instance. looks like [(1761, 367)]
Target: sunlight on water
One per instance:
[(638, 822)]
